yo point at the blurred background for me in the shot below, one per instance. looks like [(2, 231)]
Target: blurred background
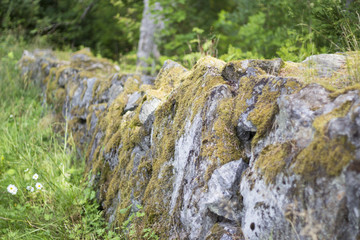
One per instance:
[(150, 31)]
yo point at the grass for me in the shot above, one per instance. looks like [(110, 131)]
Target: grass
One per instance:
[(65, 207)]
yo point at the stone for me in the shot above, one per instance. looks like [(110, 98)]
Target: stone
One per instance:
[(222, 188), (148, 108), (132, 101), (325, 64), (235, 70)]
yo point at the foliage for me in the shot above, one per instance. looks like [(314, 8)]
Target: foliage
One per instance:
[(62, 207), (130, 227), (182, 17), (107, 27), (289, 29)]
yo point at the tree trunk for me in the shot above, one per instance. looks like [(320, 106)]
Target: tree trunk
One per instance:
[(147, 49)]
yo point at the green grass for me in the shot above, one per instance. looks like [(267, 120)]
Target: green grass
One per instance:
[(65, 208)]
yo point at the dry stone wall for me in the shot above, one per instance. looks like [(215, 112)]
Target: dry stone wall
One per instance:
[(222, 151)]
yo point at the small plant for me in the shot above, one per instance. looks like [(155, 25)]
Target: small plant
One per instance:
[(130, 228), (205, 47)]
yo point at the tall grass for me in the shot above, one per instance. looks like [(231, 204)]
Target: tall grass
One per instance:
[(64, 208)]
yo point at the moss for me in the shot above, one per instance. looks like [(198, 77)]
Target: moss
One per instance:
[(60, 96), (273, 160), (265, 106), (216, 232), (209, 171), (186, 94), (84, 89), (170, 78), (339, 92), (344, 77), (264, 112), (85, 51), (324, 155), (321, 122), (220, 144)]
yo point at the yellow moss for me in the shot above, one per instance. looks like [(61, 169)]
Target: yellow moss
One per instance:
[(339, 92), (60, 96), (220, 144), (272, 160), (62, 55), (217, 231), (85, 51), (132, 84), (263, 114), (325, 155), (168, 79), (52, 88), (320, 123), (84, 89)]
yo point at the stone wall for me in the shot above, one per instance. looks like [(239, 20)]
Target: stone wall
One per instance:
[(222, 151)]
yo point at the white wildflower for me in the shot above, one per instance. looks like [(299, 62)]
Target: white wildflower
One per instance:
[(12, 189), (35, 177), (30, 188), (26, 170), (38, 186)]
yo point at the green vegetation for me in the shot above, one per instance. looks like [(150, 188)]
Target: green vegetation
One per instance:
[(44, 193), (48, 197), (226, 29)]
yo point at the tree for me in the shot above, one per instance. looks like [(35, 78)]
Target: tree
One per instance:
[(151, 24)]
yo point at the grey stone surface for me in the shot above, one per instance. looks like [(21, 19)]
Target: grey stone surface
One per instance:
[(148, 108), (325, 64), (222, 188), (132, 101)]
